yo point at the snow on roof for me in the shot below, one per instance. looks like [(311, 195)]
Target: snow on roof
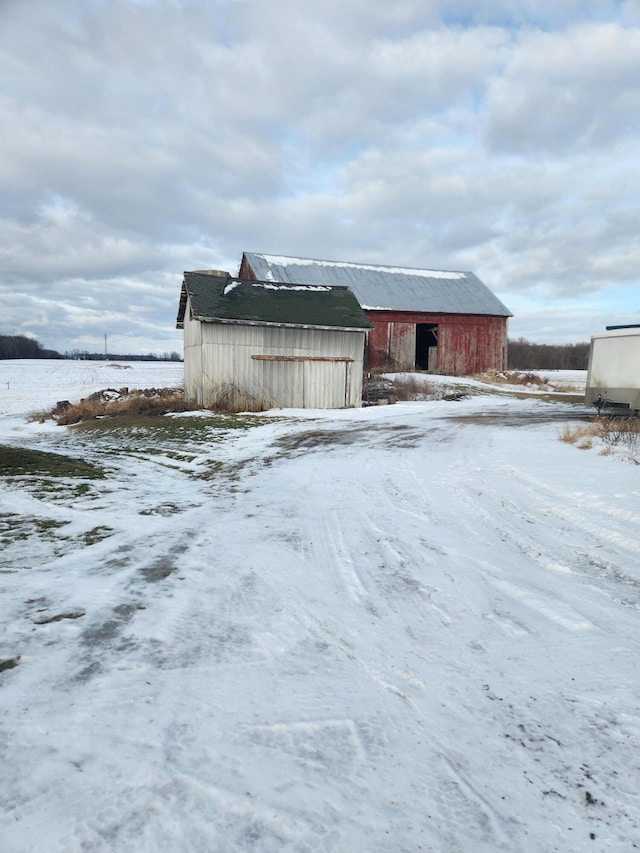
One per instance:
[(233, 300), (281, 260), (388, 288), (315, 288), (230, 287)]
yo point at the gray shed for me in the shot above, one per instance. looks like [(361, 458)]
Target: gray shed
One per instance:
[(288, 345)]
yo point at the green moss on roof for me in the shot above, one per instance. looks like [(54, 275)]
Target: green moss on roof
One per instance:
[(221, 299)]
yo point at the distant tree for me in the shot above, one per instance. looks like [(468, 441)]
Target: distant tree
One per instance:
[(20, 346), (524, 355), (118, 356)]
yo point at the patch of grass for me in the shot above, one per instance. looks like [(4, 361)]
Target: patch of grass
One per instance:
[(184, 458), (582, 435), (412, 388), (26, 539), (181, 438), (623, 433), (112, 403), (96, 534), (230, 399), (514, 377), (196, 428), (165, 509), (378, 387), (74, 614), (9, 663), (210, 472), (152, 402), (527, 379), (62, 491), (19, 528), (21, 461), (613, 433)]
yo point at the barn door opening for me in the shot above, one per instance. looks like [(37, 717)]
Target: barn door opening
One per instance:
[(426, 346)]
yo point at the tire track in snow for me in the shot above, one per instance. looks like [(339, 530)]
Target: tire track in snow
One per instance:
[(539, 534), (587, 513), (464, 806), (560, 613), (581, 556), (333, 541)]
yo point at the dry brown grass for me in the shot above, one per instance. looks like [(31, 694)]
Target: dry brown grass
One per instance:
[(412, 388), (612, 433), (513, 377), (231, 400), (621, 432), (581, 435), (380, 388), (111, 403), (528, 380), (559, 388)]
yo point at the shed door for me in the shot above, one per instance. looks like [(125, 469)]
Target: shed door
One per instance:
[(402, 345), (305, 383), (325, 384), (283, 383)]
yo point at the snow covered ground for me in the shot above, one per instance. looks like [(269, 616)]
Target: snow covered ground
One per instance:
[(401, 628)]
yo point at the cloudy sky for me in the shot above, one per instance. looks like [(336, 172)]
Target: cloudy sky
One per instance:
[(141, 138)]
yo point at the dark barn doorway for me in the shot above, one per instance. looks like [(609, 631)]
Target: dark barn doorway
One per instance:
[(426, 346)]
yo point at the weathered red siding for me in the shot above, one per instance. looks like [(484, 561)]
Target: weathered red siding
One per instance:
[(467, 343), (245, 270)]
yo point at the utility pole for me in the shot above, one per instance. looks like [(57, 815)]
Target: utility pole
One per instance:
[(105, 346)]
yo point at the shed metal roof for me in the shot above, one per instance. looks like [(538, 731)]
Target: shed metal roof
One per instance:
[(385, 288), (217, 298)]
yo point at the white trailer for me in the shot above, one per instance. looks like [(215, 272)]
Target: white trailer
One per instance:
[(613, 376)]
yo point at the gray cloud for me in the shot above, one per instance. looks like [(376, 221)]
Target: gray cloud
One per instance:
[(566, 91), (145, 138)]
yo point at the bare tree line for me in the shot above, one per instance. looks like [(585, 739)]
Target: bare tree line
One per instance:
[(524, 355), (20, 346)]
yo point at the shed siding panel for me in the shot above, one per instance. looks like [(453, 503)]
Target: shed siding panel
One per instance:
[(227, 358), (282, 383), (325, 384), (192, 358)]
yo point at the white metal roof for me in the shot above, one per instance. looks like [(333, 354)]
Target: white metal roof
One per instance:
[(386, 288)]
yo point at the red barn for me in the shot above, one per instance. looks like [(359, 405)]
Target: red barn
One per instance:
[(444, 322)]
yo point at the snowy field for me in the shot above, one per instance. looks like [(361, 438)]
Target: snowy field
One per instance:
[(400, 628)]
